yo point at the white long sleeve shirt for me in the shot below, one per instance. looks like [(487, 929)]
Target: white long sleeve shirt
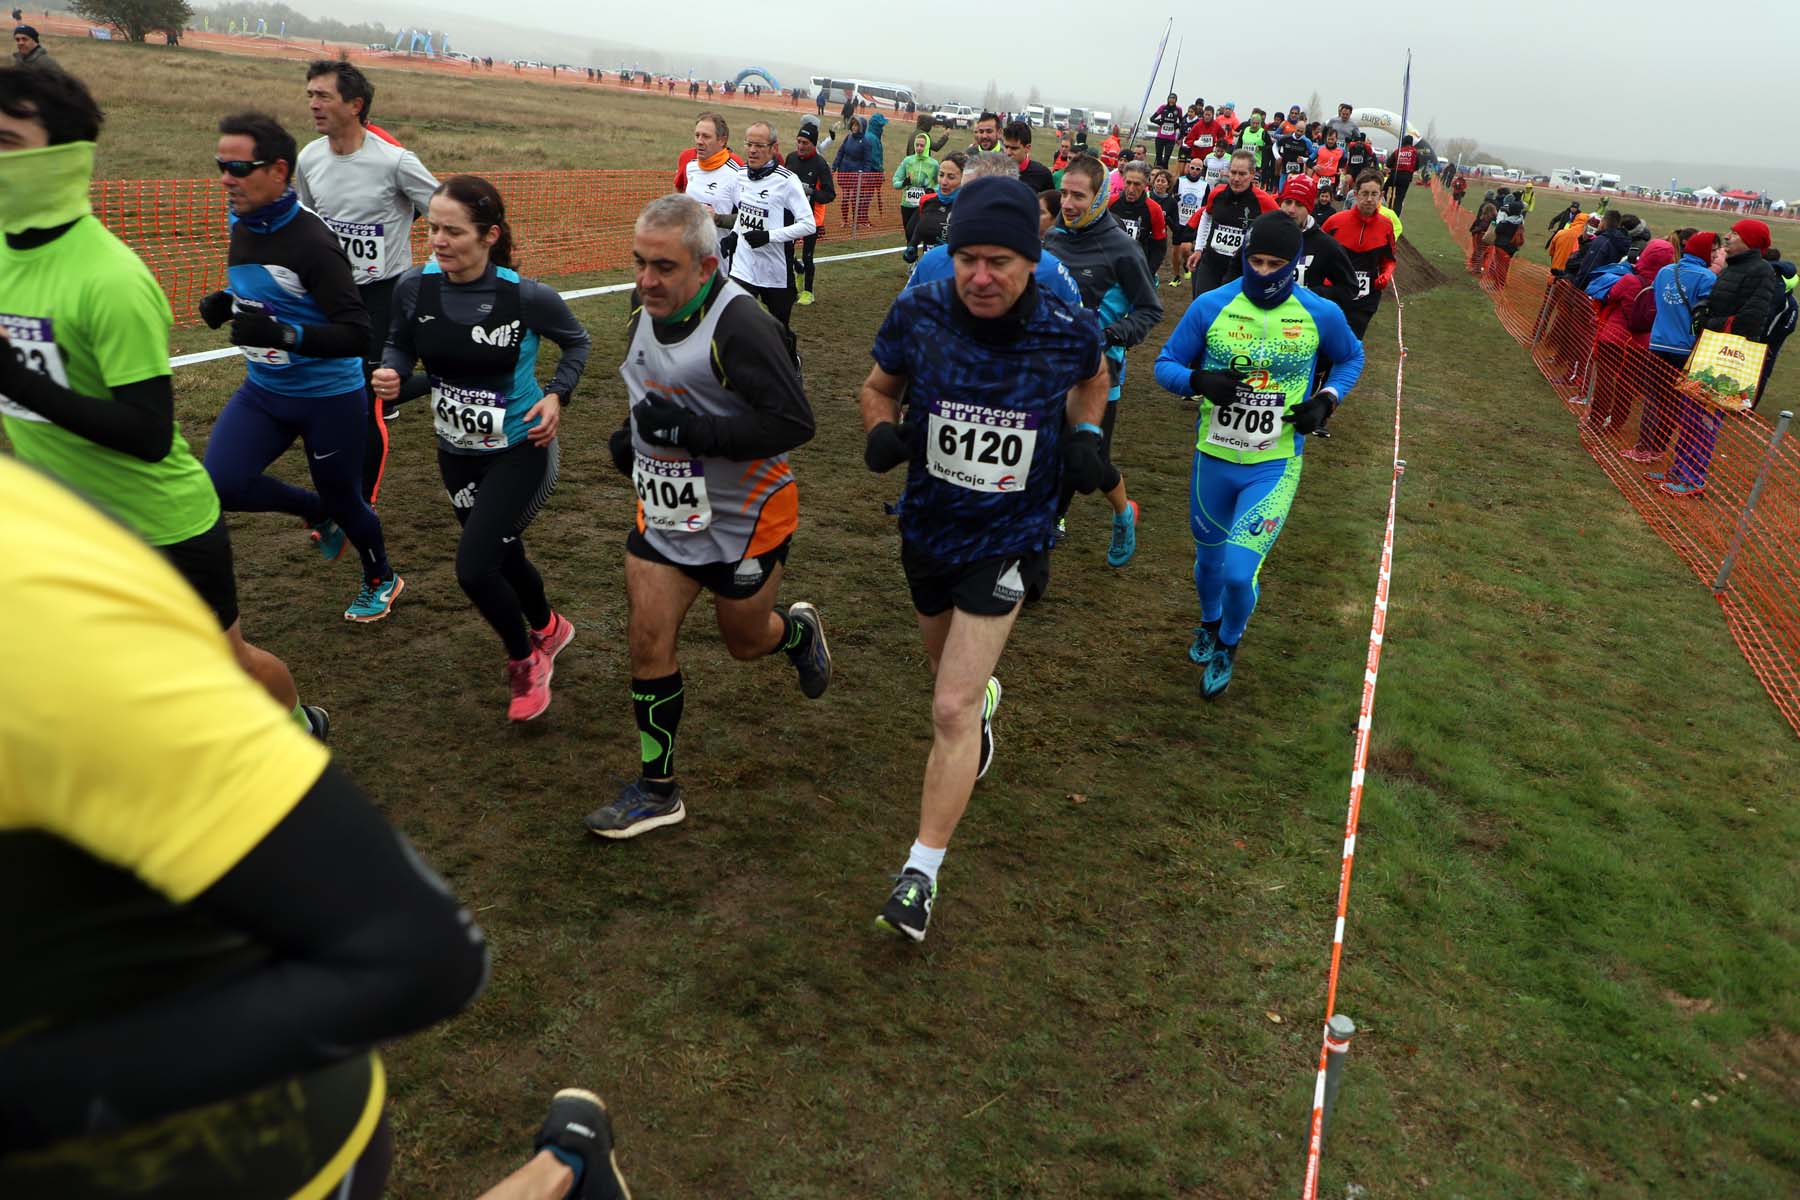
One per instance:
[(777, 203)]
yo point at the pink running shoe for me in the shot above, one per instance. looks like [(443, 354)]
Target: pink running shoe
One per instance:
[(1633, 454), (530, 682), (550, 642)]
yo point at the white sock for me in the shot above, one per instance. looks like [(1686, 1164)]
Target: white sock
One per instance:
[(925, 860)]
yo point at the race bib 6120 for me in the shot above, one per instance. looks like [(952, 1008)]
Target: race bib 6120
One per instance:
[(980, 448)]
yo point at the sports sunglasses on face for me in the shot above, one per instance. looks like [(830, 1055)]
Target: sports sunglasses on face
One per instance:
[(240, 168)]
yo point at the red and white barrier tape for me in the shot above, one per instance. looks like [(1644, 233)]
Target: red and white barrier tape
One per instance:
[(1359, 764)]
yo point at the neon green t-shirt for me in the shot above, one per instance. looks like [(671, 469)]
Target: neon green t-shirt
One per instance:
[(86, 311)]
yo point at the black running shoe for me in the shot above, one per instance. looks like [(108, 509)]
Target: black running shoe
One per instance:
[(814, 662), (578, 1125), (637, 810), (908, 910), (318, 721)]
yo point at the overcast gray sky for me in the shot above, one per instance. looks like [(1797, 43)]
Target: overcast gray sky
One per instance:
[(1559, 75)]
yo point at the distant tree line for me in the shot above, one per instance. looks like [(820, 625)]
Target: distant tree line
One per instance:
[(136, 19), (298, 24)]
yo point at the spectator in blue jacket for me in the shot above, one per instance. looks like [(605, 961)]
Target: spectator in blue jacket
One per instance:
[(851, 167), (1609, 246), (1681, 289)]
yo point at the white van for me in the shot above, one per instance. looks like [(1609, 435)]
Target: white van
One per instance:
[(1035, 114), (1101, 121)]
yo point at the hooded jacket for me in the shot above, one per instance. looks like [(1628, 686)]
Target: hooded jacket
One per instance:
[(1609, 246), (1115, 283), (1564, 242), (1616, 308), (916, 170), (1681, 287), (872, 135), (852, 154), (1746, 296)]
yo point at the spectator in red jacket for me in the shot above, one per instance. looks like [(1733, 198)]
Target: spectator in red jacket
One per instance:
[(1623, 325)]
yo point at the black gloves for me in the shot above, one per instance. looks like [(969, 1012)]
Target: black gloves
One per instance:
[(910, 254), (662, 422), (17, 379), (260, 329), (624, 456), (728, 244), (1218, 386), (1082, 465), (1309, 415), (886, 448), (215, 309), (756, 238)]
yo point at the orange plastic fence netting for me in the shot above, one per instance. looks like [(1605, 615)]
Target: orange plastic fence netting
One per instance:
[(1686, 465), (564, 222)]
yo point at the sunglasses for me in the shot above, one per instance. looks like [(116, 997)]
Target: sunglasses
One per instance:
[(240, 168)]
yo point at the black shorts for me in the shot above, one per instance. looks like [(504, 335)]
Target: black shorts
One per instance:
[(988, 587), (204, 560), (728, 581)]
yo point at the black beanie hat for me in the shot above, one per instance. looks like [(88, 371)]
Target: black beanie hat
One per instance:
[(996, 211), (809, 129), (1272, 233)]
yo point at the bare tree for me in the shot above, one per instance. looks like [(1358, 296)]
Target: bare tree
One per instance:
[(1461, 149), (1315, 107), (1034, 96), (990, 102)]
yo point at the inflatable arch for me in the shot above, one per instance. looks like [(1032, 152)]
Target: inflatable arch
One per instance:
[(757, 71), (1384, 120)]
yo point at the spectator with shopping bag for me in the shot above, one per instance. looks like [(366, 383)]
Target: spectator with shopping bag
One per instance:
[(1680, 291)]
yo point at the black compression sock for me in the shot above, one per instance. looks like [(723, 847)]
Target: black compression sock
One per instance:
[(658, 706), (1212, 627)]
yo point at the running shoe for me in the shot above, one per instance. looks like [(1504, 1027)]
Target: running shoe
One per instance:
[(529, 679), (804, 298), (637, 810), (1656, 476), (559, 633), (1060, 532), (908, 910), (1633, 454), (318, 721), (1200, 650), (1124, 536), (375, 598), (990, 704), (814, 662), (578, 1127), (328, 539), (1218, 671), (1683, 490)]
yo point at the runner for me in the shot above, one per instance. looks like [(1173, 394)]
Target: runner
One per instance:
[(1169, 124), (916, 175), (1251, 348), (85, 390), (1164, 195), (1141, 216), (773, 212), (717, 504), (1034, 175), (202, 1016), (1051, 275), (1016, 383), (1343, 125), (367, 191), (713, 174), (1216, 167), (1325, 269), (476, 324), (1221, 222), (291, 286), (1191, 190), (1329, 163), (1256, 139), (1368, 236), (1117, 286), (1402, 163), (934, 210), (1203, 135), (987, 134), (1359, 156), (814, 174)]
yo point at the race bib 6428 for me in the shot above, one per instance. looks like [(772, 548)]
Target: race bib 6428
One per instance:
[(1227, 239), (980, 448)]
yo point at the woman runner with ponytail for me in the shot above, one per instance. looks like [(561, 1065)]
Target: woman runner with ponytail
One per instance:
[(476, 325)]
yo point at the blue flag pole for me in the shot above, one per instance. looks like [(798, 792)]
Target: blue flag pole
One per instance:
[(1406, 94)]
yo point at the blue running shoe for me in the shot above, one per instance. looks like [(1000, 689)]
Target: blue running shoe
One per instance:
[(375, 598), (637, 810), (1124, 536), (327, 539), (1200, 650), (1218, 671), (813, 661)]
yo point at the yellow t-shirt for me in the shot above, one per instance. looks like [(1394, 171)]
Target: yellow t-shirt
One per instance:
[(139, 764)]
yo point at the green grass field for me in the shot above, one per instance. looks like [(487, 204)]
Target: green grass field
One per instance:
[(1571, 947)]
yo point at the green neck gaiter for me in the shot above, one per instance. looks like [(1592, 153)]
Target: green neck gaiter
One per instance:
[(40, 189)]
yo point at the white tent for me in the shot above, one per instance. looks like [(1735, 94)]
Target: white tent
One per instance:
[(1707, 193), (1778, 206)]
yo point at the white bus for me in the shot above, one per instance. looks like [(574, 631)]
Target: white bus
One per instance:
[(1101, 121), (882, 95)]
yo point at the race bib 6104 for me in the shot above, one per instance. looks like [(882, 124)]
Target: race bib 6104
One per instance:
[(673, 493)]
